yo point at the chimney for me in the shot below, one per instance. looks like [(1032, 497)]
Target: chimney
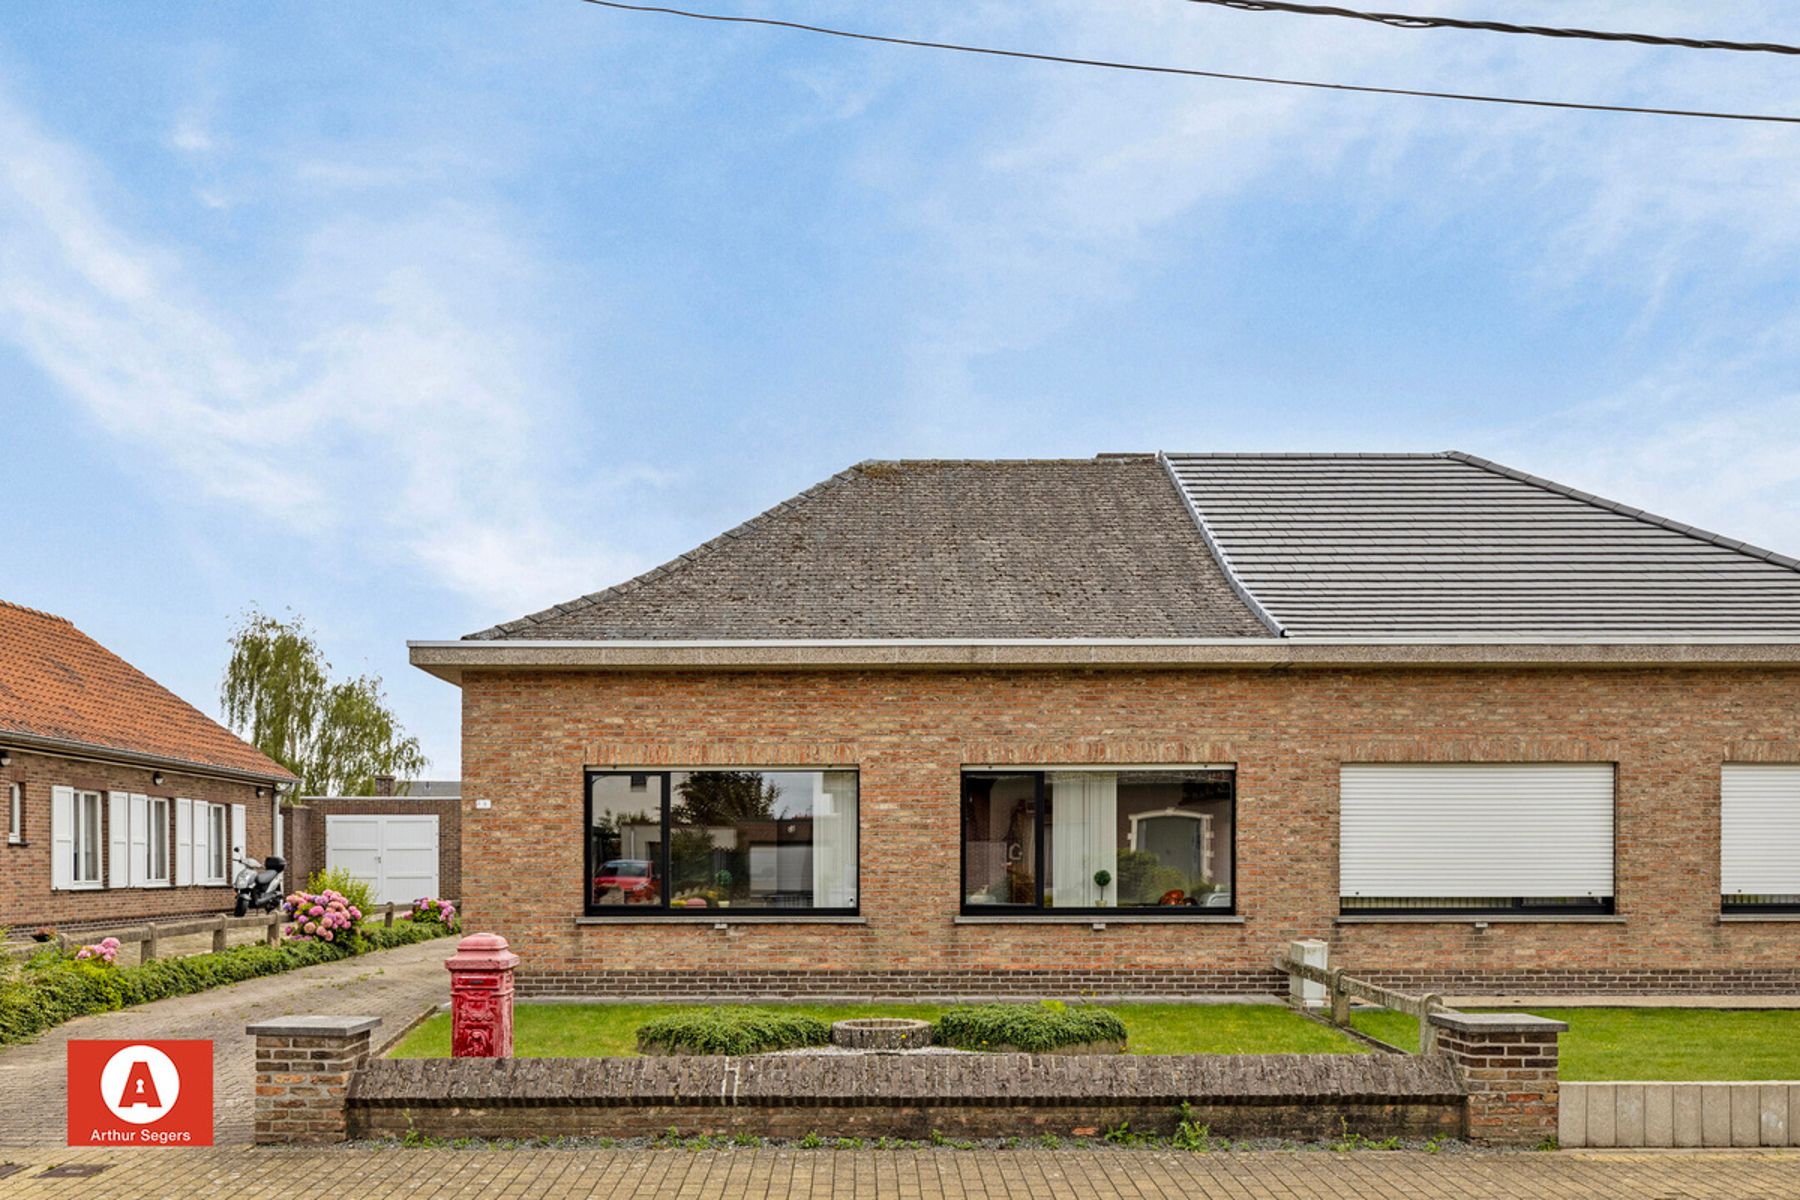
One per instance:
[(384, 785)]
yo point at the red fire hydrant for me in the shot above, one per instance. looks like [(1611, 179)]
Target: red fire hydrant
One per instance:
[(481, 997)]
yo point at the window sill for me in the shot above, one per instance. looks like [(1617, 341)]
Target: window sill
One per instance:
[(716, 918), (1101, 919), (1478, 919), (1744, 918)]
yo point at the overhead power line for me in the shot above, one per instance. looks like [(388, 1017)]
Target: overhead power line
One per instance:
[(1190, 72), (1411, 21)]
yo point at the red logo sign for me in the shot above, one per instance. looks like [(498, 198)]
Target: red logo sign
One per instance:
[(140, 1094)]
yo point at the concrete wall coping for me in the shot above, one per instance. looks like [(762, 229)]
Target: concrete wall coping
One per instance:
[(1479, 1023), (449, 659), (341, 1027)]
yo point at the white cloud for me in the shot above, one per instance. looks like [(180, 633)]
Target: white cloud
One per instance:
[(190, 134), (388, 402), (1077, 182), (1708, 440)]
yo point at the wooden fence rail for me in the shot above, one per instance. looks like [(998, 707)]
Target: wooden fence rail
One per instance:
[(148, 936), (1342, 988)]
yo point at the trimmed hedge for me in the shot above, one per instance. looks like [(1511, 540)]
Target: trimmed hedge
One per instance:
[(731, 1031), (1034, 1028), (52, 988)]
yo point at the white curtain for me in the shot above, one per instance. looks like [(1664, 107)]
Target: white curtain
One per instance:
[(1084, 837), (834, 840)]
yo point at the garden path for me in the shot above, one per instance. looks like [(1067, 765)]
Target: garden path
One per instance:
[(399, 986)]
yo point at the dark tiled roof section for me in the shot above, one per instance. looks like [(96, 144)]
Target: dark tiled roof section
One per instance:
[(926, 549), (1428, 545), (57, 683)]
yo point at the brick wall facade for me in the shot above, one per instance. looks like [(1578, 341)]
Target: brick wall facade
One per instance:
[(26, 897), (527, 737), (306, 831)]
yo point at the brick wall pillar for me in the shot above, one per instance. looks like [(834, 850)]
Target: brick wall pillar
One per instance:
[(1508, 1064), (303, 1070)]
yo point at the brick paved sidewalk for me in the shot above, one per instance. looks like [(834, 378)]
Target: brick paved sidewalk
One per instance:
[(395, 985), (246, 1174)]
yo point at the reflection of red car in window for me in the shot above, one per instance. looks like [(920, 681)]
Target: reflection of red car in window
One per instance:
[(633, 878)]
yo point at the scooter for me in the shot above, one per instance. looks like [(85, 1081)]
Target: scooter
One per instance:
[(259, 887)]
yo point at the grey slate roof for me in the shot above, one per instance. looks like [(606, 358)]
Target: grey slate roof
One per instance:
[(1336, 545), (926, 549), (1411, 546)]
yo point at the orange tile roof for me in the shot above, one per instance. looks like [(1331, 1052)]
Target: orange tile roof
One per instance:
[(59, 684)]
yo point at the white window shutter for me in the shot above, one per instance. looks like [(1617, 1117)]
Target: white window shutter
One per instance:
[(118, 839), (1759, 830), (238, 830), (280, 839), (139, 871), (184, 842), (62, 837), (202, 839), (1478, 830)]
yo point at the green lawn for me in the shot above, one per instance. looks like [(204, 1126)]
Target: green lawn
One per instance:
[(1650, 1043), (599, 1030)]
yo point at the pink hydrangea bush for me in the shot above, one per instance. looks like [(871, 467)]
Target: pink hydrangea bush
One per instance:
[(324, 917), (106, 950), (438, 912)]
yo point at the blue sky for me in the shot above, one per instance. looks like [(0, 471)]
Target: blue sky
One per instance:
[(412, 318)]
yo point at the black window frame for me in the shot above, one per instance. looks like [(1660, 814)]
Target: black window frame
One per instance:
[(1597, 906), (1037, 908), (662, 908), (1732, 905)]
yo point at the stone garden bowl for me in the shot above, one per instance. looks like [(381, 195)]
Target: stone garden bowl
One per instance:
[(881, 1033)]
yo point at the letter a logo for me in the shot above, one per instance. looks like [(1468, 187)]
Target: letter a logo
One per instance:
[(139, 1084), (140, 1087)]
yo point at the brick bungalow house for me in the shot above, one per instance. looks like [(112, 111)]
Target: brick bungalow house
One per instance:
[(123, 802), (1128, 725)]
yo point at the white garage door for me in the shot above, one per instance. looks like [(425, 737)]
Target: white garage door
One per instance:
[(396, 855)]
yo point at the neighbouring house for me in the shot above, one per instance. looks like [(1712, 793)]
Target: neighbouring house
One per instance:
[(1129, 725), (405, 841), (123, 802)]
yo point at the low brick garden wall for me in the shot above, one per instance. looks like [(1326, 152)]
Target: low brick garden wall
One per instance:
[(912, 1096)]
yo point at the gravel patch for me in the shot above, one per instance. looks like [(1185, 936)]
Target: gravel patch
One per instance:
[(842, 1050)]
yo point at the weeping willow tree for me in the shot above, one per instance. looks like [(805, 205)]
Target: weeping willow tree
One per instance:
[(337, 737)]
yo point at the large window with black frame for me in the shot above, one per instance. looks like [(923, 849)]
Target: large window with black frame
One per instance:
[(748, 840), (1079, 839)]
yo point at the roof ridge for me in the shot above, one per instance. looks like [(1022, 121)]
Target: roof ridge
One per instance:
[(1748, 549), (36, 612), (1169, 454), (1226, 567), (678, 563)]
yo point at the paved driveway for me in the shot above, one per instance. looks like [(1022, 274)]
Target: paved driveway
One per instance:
[(267, 1174), (395, 985)]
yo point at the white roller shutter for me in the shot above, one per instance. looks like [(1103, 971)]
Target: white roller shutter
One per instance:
[(118, 839), (139, 870), (1759, 830), (1535, 830), (184, 842), (62, 837)]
